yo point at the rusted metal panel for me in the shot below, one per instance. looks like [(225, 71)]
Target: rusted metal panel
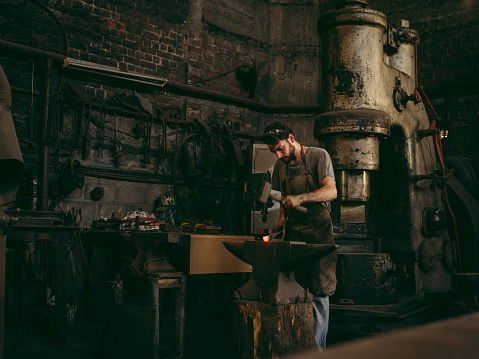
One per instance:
[(363, 278)]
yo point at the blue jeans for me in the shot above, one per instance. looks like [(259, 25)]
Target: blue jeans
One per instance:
[(321, 320)]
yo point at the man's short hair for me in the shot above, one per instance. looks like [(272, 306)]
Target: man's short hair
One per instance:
[(275, 132)]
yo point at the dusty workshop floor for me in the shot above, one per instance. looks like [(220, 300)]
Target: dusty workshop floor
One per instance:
[(206, 337)]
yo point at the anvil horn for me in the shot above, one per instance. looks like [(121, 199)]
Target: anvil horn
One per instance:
[(237, 249)]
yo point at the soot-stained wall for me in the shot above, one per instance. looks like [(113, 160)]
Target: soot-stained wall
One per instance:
[(130, 152)]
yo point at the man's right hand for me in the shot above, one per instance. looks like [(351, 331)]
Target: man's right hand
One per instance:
[(279, 228)]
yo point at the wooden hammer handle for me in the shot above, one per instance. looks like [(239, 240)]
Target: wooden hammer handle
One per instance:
[(279, 199)]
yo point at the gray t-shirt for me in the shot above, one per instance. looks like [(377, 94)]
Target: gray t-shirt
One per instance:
[(319, 163), (313, 227)]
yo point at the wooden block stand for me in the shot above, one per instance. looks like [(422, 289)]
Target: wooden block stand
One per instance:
[(267, 331), (176, 282)]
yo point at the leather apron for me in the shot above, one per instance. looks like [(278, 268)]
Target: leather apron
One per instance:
[(313, 227)]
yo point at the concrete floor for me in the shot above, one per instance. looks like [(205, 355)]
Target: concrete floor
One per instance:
[(83, 343), (206, 337)]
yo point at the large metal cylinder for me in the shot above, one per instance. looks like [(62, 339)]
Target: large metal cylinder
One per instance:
[(353, 158), (353, 186), (349, 152), (352, 140), (368, 86), (353, 40), (352, 91)]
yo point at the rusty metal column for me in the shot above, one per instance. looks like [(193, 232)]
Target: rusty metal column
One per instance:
[(352, 97), (352, 57), (43, 147)]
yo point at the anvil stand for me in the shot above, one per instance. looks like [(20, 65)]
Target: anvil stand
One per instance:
[(273, 314)]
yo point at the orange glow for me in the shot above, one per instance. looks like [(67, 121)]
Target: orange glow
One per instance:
[(266, 238)]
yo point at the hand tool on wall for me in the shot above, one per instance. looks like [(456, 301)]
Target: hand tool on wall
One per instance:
[(147, 140), (267, 191), (86, 136), (102, 133)]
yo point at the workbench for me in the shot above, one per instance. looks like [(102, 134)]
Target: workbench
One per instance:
[(123, 273), (48, 228)]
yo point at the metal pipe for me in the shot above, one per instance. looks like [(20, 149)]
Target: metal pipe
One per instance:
[(211, 95), (162, 180), (25, 91), (181, 89), (30, 51), (43, 146), (427, 132)]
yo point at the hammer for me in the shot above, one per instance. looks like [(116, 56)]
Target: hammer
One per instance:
[(266, 192)]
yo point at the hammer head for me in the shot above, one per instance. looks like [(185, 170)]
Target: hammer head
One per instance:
[(265, 192)]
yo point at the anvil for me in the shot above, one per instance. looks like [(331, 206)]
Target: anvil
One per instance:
[(272, 280)]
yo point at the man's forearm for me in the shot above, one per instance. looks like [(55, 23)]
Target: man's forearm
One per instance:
[(326, 193), (323, 194)]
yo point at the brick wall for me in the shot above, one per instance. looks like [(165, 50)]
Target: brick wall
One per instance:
[(448, 63), (168, 40)]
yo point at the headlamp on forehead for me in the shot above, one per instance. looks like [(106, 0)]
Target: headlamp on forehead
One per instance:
[(273, 135), (277, 132)]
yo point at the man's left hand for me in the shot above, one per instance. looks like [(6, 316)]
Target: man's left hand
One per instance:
[(291, 202)]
